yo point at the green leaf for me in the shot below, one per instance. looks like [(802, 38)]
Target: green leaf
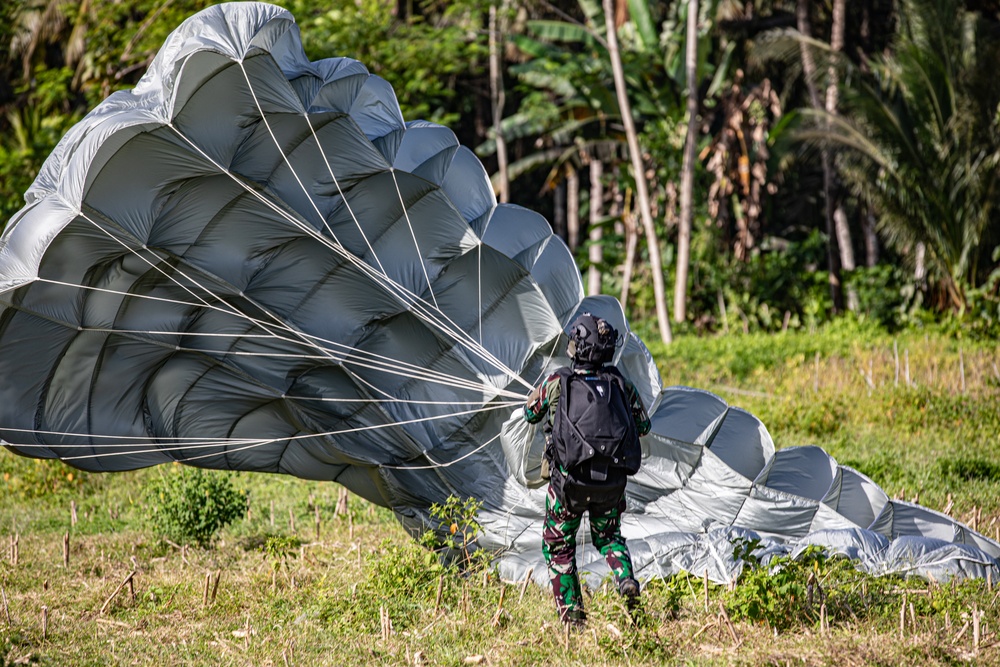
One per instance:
[(562, 32), (639, 11), (721, 71)]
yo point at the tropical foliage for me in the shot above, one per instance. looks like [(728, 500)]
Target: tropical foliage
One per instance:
[(915, 139), (922, 143)]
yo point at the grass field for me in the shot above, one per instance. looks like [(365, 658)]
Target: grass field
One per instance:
[(295, 583)]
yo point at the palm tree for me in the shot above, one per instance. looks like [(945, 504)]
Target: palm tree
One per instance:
[(920, 141), (829, 177)]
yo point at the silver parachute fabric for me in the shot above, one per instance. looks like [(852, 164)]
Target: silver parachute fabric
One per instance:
[(251, 262)]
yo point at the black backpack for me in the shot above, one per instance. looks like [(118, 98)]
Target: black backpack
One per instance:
[(594, 439)]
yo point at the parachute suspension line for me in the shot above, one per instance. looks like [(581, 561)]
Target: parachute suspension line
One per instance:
[(312, 202), (408, 401), (447, 464), (377, 362), (392, 365), (405, 296), (284, 157), (548, 360), (233, 311), (252, 444), (378, 278), (413, 235), (229, 310), (337, 245), (479, 286), (457, 334), (389, 284), (130, 440), (343, 197), (284, 214)]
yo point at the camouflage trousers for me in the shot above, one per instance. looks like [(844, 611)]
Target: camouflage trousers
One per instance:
[(559, 547)]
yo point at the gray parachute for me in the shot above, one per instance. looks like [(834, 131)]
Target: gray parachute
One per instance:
[(251, 262)]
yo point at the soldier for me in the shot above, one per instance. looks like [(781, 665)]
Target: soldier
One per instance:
[(595, 419)]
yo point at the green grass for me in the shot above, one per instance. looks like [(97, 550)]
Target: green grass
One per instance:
[(289, 596)]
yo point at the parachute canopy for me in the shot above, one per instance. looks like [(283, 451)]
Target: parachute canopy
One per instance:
[(251, 262)]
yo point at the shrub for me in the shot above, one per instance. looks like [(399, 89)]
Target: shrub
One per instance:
[(191, 506), (457, 530), (400, 579), (39, 478)]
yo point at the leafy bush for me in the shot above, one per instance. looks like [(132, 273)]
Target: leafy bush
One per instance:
[(778, 276), (39, 478), (885, 293), (787, 592), (781, 595), (457, 530), (191, 506), (401, 579)]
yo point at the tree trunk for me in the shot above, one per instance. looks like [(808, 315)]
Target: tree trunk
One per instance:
[(687, 172), (631, 243), (595, 252), (809, 71), (572, 208), (846, 252), (919, 268), (642, 194), (843, 229), (871, 238), (498, 97), (559, 210)]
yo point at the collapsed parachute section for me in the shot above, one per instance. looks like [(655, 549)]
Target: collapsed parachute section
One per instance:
[(711, 476), (251, 262)]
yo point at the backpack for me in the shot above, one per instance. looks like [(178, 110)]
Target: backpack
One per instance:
[(593, 429)]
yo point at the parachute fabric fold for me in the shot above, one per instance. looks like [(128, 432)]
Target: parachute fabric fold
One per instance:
[(251, 262)]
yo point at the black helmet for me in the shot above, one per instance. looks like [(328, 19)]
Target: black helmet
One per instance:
[(591, 340)]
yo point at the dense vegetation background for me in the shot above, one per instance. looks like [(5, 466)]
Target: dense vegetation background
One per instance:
[(844, 155)]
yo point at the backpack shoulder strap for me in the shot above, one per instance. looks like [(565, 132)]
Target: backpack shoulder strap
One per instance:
[(612, 371), (564, 374)]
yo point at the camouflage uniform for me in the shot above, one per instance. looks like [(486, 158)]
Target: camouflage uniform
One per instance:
[(561, 525)]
